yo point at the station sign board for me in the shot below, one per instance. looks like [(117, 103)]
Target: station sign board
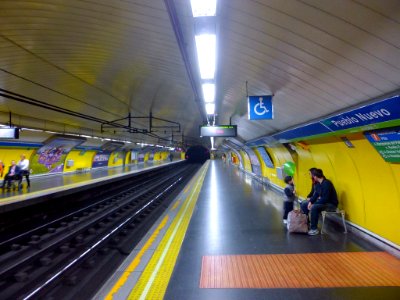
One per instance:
[(383, 111), (386, 142), (378, 115)]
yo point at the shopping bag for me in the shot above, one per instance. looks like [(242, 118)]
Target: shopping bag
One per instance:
[(297, 222)]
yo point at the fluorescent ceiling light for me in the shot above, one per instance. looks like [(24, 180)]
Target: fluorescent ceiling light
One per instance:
[(210, 108), (203, 8), (206, 48), (209, 92)]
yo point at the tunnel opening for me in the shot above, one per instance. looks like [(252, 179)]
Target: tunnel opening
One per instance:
[(197, 154)]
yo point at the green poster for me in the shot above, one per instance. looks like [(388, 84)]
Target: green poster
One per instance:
[(386, 142)]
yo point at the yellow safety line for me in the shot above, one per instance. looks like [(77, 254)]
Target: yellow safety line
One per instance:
[(155, 278), (187, 189), (176, 205), (124, 277)]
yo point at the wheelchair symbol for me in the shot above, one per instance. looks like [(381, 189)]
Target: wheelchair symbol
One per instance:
[(259, 108)]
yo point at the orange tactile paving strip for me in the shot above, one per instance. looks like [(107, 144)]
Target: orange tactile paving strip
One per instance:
[(310, 270)]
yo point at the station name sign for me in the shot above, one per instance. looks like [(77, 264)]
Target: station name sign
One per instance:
[(382, 114), (218, 131), (383, 111)]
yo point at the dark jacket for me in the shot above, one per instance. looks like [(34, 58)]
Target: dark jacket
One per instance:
[(17, 170), (325, 193), (314, 183), (289, 193)]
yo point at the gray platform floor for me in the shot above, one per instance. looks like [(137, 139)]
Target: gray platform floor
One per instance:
[(237, 215)]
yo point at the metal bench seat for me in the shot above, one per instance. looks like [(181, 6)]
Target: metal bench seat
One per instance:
[(337, 211)]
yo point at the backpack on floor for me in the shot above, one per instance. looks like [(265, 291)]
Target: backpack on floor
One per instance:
[(297, 222)]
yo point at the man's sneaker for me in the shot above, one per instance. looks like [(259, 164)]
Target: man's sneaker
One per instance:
[(284, 221), (313, 232)]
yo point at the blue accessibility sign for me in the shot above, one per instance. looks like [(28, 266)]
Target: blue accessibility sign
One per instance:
[(260, 107)]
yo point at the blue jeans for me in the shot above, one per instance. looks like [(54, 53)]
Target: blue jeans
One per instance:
[(315, 211), (303, 207)]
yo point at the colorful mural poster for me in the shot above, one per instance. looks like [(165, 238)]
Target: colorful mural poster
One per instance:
[(51, 156)]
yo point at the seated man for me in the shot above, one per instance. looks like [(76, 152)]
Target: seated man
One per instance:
[(13, 174), (324, 198)]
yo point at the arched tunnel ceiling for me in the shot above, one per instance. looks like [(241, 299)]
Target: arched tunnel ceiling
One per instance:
[(101, 58), (109, 58)]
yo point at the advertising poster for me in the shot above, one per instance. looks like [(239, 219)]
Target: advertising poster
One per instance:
[(51, 156), (101, 159)]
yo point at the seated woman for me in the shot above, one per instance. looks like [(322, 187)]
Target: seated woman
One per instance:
[(13, 174)]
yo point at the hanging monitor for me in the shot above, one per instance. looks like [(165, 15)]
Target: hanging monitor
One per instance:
[(9, 133), (218, 131)]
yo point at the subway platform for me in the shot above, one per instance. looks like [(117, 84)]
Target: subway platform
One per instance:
[(223, 238), (46, 185)]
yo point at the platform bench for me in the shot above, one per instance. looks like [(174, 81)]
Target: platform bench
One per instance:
[(329, 212)]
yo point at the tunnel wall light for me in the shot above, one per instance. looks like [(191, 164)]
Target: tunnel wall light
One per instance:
[(203, 8), (210, 108), (206, 54), (209, 92)]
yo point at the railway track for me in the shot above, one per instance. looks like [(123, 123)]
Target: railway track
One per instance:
[(70, 256)]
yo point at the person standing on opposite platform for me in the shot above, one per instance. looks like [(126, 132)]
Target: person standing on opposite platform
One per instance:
[(23, 164), (290, 197)]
